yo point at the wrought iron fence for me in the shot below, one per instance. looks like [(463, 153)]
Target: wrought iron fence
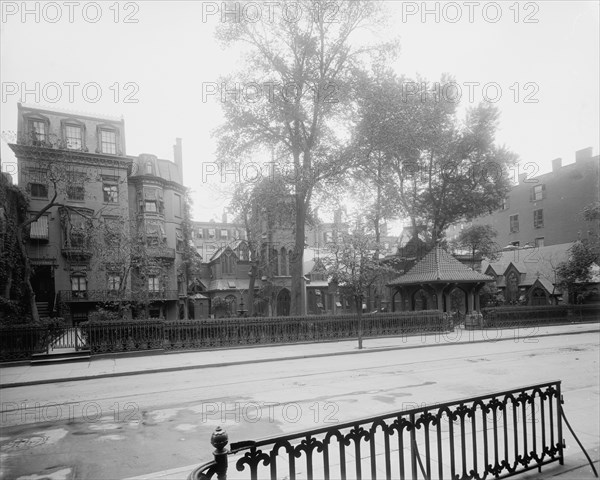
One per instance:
[(496, 435), (22, 341), (107, 337), (273, 330), (512, 317), (123, 336)]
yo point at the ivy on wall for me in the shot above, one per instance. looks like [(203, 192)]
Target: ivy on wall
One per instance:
[(13, 293)]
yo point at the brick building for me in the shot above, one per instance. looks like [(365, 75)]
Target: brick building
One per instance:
[(112, 233), (546, 209)]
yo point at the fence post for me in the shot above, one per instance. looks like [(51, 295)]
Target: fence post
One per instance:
[(413, 446), (219, 440)]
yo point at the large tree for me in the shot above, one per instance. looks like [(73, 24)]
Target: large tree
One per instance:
[(443, 168), (300, 75)]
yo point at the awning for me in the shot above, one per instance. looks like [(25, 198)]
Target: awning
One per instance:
[(39, 229)]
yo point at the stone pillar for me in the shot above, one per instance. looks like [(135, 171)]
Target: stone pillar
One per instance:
[(439, 289), (470, 300)]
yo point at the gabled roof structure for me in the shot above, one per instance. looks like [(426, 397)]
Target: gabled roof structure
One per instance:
[(438, 266)]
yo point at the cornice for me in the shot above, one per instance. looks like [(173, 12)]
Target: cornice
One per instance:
[(27, 152)]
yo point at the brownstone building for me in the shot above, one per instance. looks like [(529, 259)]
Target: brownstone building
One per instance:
[(113, 234)]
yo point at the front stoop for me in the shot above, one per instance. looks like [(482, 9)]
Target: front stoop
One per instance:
[(62, 355)]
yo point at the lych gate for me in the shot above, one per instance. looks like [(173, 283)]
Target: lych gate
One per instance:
[(430, 283)]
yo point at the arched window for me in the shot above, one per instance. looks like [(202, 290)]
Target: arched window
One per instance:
[(228, 262), (290, 256), (512, 287), (284, 262), (274, 262)]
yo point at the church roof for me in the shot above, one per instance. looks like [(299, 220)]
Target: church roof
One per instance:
[(439, 266)]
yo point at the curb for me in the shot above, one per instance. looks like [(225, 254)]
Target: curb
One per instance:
[(269, 360)]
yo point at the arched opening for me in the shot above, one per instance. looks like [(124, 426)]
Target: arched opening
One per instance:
[(283, 303), (538, 297), (457, 301)]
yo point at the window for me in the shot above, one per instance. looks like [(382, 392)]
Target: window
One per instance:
[(150, 206), (228, 262), (149, 169), (177, 206), (538, 218), (538, 192), (224, 234), (79, 286), (38, 132), (179, 240), (39, 190), (110, 191), (76, 192), (505, 203), (539, 242), (328, 237), (514, 223), (112, 232), (114, 282), (153, 283), (108, 141), (73, 137), (200, 233), (211, 233)]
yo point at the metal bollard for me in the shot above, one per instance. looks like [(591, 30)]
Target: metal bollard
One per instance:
[(219, 440)]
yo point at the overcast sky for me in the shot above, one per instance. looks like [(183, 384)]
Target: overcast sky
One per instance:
[(538, 61)]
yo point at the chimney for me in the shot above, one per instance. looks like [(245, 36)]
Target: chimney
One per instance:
[(178, 156), (583, 154), (224, 217), (522, 178), (556, 164)]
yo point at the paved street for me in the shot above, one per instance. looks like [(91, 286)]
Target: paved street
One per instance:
[(108, 428)]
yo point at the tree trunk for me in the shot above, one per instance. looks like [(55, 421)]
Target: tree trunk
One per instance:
[(358, 302), (27, 274), (297, 304)]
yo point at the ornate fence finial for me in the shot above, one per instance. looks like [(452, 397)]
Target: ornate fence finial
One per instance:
[(219, 439)]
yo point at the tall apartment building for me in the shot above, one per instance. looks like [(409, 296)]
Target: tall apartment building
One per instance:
[(113, 232), (546, 209)]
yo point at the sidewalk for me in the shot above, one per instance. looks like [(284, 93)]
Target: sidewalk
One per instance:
[(122, 365)]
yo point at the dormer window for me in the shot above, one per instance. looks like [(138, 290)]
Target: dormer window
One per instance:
[(149, 169), (108, 141), (38, 132), (73, 137)]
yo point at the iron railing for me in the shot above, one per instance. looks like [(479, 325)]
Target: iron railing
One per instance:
[(105, 337), (512, 317), (229, 332), (22, 341), (116, 296), (490, 436)]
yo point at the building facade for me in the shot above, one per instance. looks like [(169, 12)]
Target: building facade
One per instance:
[(546, 209), (98, 242)]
